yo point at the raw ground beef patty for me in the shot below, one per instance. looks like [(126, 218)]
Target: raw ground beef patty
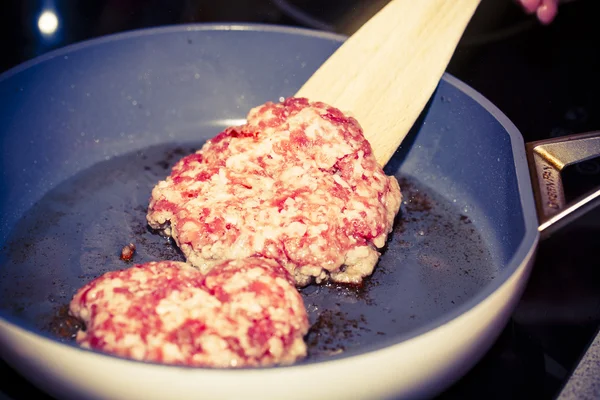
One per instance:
[(297, 183), (242, 313)]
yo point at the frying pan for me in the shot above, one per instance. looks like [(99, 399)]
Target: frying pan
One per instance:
[(89, 129)]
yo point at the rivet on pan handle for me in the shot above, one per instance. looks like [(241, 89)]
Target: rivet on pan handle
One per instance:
[(547, 158)]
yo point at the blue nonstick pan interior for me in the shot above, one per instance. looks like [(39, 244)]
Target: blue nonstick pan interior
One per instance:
[(88, 130)]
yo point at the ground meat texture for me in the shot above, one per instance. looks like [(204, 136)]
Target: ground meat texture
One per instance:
[(127, 252), (243, 313), (297, 183)]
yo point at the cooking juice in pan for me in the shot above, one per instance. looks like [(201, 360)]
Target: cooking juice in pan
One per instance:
[(76, 232)]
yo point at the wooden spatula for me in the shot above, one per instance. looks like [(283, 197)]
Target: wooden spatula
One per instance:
[(386, 72)]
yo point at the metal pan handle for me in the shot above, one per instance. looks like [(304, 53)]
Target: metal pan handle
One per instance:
[(547, 158)]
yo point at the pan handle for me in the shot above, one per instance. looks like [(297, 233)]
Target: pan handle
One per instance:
[(547, 158)]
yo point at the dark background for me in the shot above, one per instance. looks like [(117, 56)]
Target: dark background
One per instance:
[(544, 78)]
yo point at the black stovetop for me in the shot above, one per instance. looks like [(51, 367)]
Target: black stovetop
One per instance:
[(544, 78)]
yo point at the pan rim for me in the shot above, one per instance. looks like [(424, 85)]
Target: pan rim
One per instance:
[(191, 27), (522, 254)]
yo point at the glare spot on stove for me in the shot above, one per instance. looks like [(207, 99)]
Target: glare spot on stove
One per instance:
[(48, 22)]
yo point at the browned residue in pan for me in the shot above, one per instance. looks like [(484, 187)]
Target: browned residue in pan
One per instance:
[(63, 325)]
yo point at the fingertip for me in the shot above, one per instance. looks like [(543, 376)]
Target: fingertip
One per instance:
[(530, 6), (547, 11)]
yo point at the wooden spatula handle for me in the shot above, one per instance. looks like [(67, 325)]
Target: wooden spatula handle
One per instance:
[(385, 73)]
